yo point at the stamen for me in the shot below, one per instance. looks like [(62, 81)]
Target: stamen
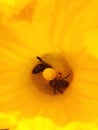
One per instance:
[(49, 74)]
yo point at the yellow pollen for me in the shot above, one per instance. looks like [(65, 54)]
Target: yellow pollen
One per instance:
[(49, 74)]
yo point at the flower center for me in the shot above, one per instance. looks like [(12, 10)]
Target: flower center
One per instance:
[(53, 73)]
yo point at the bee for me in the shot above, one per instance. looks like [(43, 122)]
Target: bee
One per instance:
[(59, 83), (41, 66)]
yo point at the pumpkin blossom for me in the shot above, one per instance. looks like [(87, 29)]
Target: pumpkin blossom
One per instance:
[(33, 28)]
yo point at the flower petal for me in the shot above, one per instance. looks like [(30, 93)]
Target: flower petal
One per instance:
[(43, 123), (10, 7)]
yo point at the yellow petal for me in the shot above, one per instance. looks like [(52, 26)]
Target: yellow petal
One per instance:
[(10, 7), (8, 120), (91, 42), (38, 123)]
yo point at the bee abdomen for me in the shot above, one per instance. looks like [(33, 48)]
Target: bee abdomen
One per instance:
[(39, 68), (65, 83)]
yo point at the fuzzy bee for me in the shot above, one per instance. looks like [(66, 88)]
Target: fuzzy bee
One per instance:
[(59, 83)]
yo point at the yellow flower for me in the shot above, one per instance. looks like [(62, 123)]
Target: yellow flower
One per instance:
[(35, 28), (37, 124)]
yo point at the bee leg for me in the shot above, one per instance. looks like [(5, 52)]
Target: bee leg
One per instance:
[(58, 90), (67, 76), (60, 75), (40, 60)]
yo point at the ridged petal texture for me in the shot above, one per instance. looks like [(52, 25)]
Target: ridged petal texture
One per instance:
[(36, 27)]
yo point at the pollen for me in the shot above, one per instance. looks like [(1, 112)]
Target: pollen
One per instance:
[(49, 74)]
